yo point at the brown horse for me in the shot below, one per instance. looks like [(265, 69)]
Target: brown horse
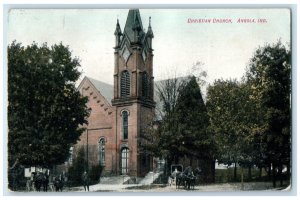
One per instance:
[(187, 178), (58, 183), (40, 180)]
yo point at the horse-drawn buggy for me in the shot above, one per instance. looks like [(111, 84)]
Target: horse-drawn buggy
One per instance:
[(186, 178)]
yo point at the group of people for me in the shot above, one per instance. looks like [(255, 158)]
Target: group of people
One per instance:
[(41, 181)]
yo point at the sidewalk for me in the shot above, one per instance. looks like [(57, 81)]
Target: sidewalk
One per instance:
[(225, 187)]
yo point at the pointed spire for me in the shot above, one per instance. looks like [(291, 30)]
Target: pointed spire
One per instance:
[(150, 32), (118, 31), (133, 24), (136, 25)]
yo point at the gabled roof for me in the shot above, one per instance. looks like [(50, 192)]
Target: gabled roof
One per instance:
[(105, 89)]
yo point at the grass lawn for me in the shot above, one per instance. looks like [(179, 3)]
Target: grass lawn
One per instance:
[(227, 175)]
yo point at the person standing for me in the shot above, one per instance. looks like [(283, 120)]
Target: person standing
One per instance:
[(85, 181)]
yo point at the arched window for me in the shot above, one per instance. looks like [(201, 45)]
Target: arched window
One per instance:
[(124, 160), (102, 151), (125, 84), (125, 125), (145, 85)]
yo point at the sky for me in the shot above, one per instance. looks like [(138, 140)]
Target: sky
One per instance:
[(224, 49)]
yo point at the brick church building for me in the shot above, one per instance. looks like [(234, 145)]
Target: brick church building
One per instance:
[(121, 113)]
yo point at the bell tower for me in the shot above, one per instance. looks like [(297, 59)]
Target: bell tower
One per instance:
[(133, 102)]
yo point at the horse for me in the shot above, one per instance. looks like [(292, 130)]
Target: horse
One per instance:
[(180, 179), (45, 182), (187, 178), (40, 180), (192, 176), (58, 183)]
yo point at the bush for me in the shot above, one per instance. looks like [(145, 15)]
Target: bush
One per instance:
[(77, 169), (79, 166), (95, 173)]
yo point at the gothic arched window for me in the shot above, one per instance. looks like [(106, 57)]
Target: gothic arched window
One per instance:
[(125, 84), (145, 85), (102, 151), (124, 160), (125, 125)]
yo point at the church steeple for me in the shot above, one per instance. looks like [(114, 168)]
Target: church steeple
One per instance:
[(133, 77), (118, 34), (133, 101), (149, 34), (134, 27)]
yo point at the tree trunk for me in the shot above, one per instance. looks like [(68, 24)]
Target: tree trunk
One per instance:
[(269, 171), (234, 174), (213, 170), (260, 172), (280, 174), (274, 176), (242, 178), (249, 173), (167, 167)]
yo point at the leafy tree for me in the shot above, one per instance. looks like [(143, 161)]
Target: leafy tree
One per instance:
[(193, 120), (251, 118), (234, 118), (44, 107), (194, 140), (222, 110), (269, 75), (164, 137), (182, 130)]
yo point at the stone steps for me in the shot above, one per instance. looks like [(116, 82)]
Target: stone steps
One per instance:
[(149, 178)]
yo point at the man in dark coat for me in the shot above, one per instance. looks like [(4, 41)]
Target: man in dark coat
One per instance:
[(85, 181)]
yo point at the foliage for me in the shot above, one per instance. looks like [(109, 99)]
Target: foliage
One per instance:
[(233, 117), (182, 130), (250, 119), (95, 173), (77, 168), (159, 134), (193, 139), (45, 109), (16, 178), (269, 75)]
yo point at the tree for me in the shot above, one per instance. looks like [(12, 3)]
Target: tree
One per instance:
[(194, 139), (165, 141), (192, 120), (44, 108), (234, 118), (251, 119), (222, 109), (182, 125), (269, 75)]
